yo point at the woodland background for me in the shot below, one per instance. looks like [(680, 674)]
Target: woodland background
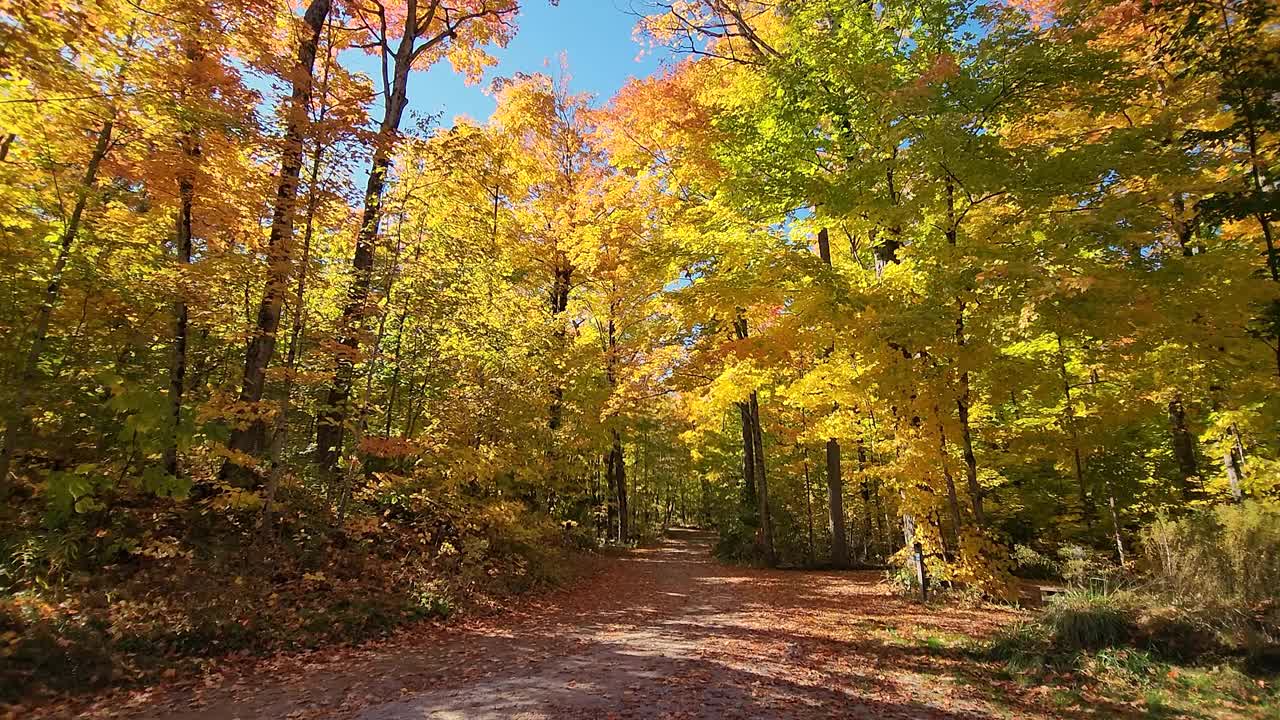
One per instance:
[(285, 364)]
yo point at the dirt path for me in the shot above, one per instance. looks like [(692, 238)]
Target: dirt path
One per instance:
[(659, 633)]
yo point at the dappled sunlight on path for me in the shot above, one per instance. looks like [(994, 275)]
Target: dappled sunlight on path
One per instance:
[(662, 632)]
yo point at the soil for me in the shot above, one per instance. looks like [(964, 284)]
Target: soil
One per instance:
[(661, 632)]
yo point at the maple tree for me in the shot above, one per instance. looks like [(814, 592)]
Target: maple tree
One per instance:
[(983, 167), (839, 279)]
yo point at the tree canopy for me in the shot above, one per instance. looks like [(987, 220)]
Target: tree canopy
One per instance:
[(842, 278)]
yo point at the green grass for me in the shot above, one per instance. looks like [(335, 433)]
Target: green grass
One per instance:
[(1107, 644), (1086, 620)]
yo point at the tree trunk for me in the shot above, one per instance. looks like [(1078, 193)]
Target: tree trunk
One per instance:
[(866, 503), (750, 493), (178, 366), (748, 457), (964, 398), (611, 500), (1086, 500), (249, 439), (762, 485), (560, 286), (835, 503), (835, 487), (1182, 229), (808, 503), (1115, 521), (1257, 186), (1249, 112), (617, 460), (395, 373), (375, 351), (970, 461), (331, 421), (953, 500), (52, 295), (1183, 448), (684, 503), (885, 254), (297, 320), (1235, 475), (620, 482), (297, 326)]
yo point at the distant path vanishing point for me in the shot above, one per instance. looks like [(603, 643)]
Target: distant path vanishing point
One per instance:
[(662, 632)]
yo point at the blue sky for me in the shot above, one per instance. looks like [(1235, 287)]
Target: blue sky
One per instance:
[(595, 35)]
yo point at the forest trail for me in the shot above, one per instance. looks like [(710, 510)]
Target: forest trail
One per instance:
[(662, 632)]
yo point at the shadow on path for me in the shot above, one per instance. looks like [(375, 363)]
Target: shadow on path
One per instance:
[(662, 632)]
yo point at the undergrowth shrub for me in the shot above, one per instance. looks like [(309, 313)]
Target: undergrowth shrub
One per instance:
[(1070, 627), (1023, 646), (1027, 563), (1123, 666), (736, 543), (1089, 620), (113, 597), (64, 653), (1227, 555), (1220, 570), (522, 548), (902, 578), (1083, 567), (1177, 633), (1211, 593)]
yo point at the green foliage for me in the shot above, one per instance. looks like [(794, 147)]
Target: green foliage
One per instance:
[(170, 598), (76, 491), (1023, 646), (433, 600), (1032, 565), (1123, 646), (38, 558), (1124, 665), (903, 579), (737, 543), (1086, 568), (1070, 627), (1087, 620), (89, 487), (1044, 312), (1218, 571)]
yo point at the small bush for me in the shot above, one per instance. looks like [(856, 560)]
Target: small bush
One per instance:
[(736, 543), (1023, 647), (1176, 633), (1083, 567), (1087, 620), (902, 578), (1220, 569), (432, 600), (62, 654), (1027, 563), (1124, 666), (1226, 556), (579, 537)]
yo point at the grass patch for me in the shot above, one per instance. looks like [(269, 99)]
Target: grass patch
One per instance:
[(1127, 650), (1087, 620)]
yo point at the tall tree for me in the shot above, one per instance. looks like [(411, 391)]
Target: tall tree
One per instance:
[(427, 32), (248, 437)]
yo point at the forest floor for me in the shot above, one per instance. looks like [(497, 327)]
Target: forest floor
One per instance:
[(661, 632)]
